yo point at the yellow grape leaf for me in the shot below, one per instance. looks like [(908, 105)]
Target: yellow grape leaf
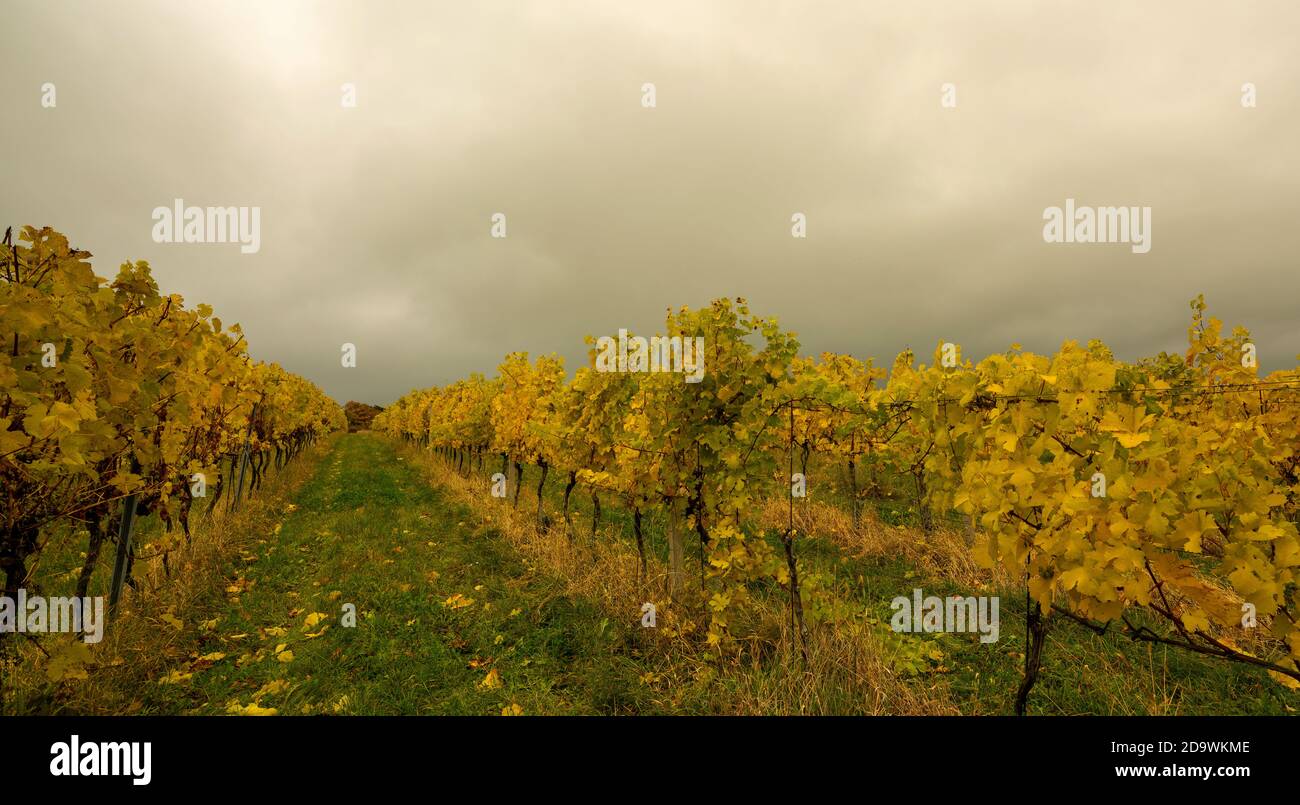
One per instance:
[(68, 662), (1284, 680), (173, 621), (458, 601), (284, 656), (1040, 589), (492, 681), (273, 688), (253, 709), (1190, 528), (213, 657), (1127, 423), (1132, 439), (174, 678), (515, 710), (1196, 621), (313, 619)]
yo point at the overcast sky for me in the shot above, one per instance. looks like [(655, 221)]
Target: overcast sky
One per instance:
[(923, 222)]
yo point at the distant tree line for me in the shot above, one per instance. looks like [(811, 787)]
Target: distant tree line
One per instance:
[(359, 415)]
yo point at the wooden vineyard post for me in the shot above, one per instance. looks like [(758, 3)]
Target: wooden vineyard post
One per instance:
[(787, 539), (243, 457), (123, 549)]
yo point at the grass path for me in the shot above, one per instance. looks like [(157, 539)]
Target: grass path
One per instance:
[(367, 531), (451, 619)]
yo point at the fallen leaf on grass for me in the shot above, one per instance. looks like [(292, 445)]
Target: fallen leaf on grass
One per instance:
[(1284, 680), (68, 662), (458, 601), (207, 660), (273, 688), (253, 709)]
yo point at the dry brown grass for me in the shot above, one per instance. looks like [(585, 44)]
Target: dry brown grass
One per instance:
[(848, 672), (601, 570), (942, 552), (848, 669)]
